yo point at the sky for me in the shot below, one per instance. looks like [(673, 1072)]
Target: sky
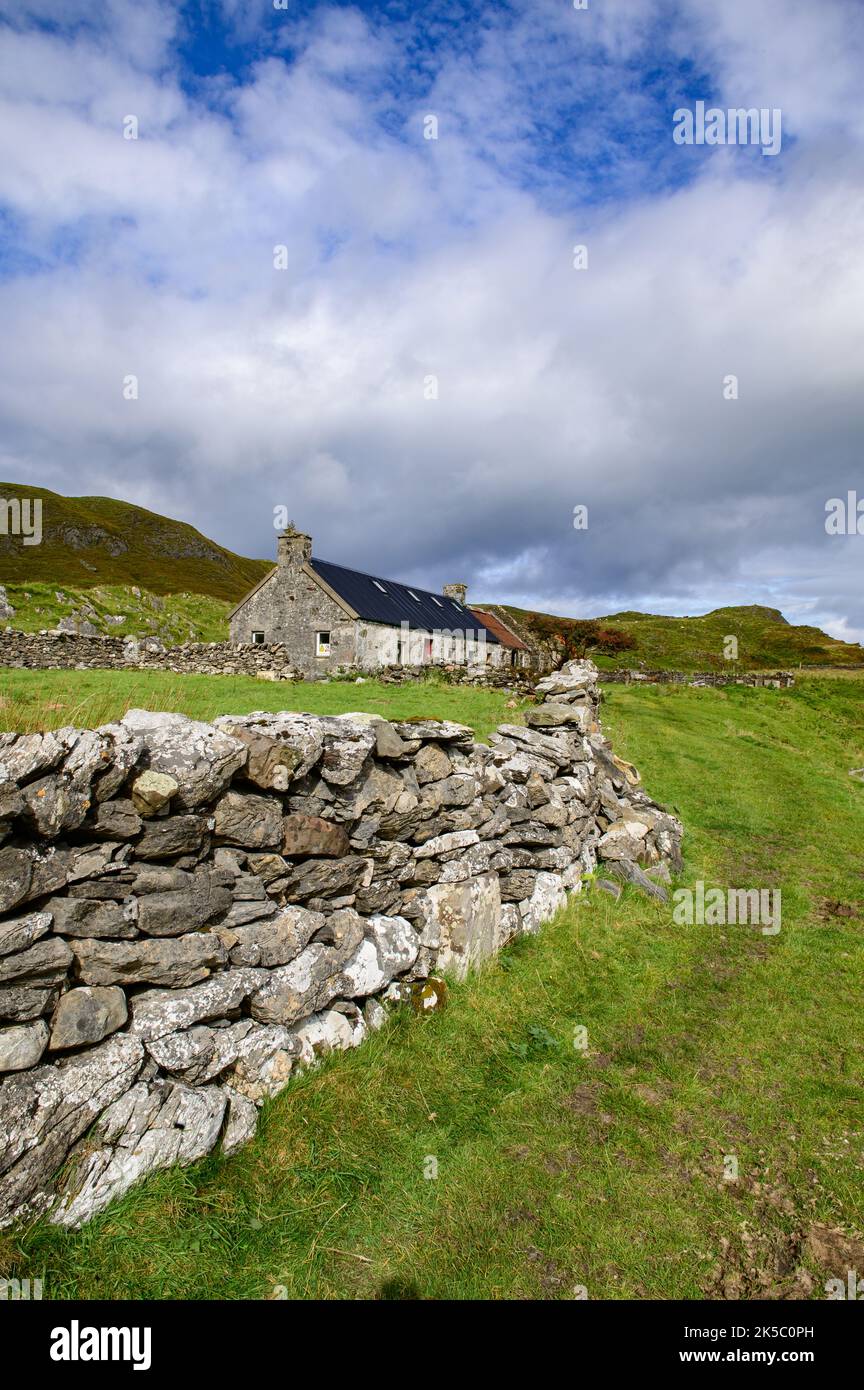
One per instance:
[(392, 336)]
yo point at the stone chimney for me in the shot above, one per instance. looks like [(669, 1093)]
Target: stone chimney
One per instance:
[(293, 547), (457, 591)]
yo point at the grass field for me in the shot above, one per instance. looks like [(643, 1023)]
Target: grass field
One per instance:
[(33, 700), (560, 1170)]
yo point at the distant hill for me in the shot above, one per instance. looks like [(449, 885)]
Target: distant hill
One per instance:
[(120, 569), (92, 541), (765, 639)]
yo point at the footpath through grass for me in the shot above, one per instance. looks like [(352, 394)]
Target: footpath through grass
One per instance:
[(478, 1154)]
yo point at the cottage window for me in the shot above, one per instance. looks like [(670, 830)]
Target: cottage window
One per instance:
[(322, 643), (379, 586), (258, 639)]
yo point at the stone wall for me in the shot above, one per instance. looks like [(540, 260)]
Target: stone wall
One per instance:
[(274, 661), (74, 651), (189, 913), (777, 680)]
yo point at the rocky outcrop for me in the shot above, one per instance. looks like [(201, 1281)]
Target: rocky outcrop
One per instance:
[(190, 913)]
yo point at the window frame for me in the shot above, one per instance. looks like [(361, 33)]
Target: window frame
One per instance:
[(320, 644)]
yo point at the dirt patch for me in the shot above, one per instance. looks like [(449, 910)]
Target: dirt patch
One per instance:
[(521, 1216), (582, 1100), (551, 1277), (760, 1265), (763, 1263), (833, 1250), (585, 1100), (556, 1164), (521, 1152), (829, 909), (647, 1094)]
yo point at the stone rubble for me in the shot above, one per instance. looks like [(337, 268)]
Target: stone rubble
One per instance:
[(190, 912)]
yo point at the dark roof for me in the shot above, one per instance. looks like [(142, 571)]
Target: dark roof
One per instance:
[(500, 629), (386, 601)]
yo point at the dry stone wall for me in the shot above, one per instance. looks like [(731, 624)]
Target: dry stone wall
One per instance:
[(273, 661), (76, 651), (777, 680), (190, 912)]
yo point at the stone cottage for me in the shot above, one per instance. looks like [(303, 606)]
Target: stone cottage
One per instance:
[(514, 652), (329, 616)]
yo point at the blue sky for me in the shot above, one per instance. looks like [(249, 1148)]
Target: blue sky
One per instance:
[(562, 131), (408, 259)]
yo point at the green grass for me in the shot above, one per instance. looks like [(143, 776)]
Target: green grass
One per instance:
[(765, 640), (35, 700), (118, 610), (558, 1168), (99, 540)]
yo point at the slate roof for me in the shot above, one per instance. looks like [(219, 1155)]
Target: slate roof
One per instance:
[(500, 629), (386, 601)]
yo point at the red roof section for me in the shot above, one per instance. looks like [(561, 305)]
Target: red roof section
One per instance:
[(501, 631)]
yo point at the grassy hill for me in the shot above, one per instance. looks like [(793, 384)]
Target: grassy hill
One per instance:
[(89, 541), (765, 639), (123, 569), (119, 610)]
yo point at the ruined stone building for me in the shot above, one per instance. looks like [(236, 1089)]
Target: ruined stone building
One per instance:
[(329, 616)]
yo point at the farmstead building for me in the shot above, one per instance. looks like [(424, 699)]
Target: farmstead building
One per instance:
[(331, 617)]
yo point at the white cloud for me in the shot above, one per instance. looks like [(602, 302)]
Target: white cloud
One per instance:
[(408, 258)]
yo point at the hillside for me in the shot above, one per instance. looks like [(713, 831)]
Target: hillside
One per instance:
[(121, 569), (765, 639), (115, 610), (90, 541)]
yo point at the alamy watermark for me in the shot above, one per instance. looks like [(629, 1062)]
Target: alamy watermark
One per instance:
[(720, 907), (845, 515), (22, 516), (735, 126), (851, 1288), (20, 1290), (77, 1343)]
